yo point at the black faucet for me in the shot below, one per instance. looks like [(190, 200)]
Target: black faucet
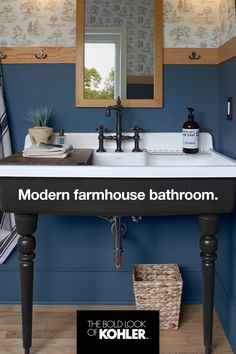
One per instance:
[(119, 137), (118, 108)]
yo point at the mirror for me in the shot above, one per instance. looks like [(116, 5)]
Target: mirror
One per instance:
[(119, 53)]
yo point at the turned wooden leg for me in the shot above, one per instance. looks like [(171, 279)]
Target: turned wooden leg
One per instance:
[(26, 225), (209, 226)]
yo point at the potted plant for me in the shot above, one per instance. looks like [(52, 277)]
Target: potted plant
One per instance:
[(39, 116)]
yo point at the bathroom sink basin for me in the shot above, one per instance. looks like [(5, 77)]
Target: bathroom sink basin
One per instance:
[(200, 159), (152, 159), (119, 159)]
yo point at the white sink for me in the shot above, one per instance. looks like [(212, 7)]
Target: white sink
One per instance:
[(119, 159), (162, 158), (159, 159), (200, 159)]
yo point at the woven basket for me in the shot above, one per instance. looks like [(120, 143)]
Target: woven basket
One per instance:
[(159, 287), (40, 134)]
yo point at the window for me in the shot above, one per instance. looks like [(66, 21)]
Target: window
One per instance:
[(105, 63)]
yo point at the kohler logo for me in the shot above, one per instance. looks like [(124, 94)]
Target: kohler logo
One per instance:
[(122, 334), (121, 331), (109, 329)]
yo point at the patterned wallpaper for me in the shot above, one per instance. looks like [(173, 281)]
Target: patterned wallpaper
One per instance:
[(198, 23), (136, 16), (37, 22), (191, 23), (188, 23), (227, 17)]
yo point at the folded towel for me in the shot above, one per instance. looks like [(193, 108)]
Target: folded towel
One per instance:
[(48, 151)]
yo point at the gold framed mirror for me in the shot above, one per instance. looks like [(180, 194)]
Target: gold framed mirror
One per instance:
[(119, 50)]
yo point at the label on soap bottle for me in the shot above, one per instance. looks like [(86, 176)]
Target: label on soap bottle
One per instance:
[(190, 138)]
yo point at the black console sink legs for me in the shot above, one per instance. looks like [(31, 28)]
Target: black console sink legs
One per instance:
[(209, 226), (26, 225)]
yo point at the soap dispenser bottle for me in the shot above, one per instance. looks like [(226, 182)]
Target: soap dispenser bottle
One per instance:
[(190, 134)]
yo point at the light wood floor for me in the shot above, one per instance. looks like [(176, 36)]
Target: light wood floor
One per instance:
[(54, 331)]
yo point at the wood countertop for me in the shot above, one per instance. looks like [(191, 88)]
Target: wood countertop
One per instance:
[(77, 157)]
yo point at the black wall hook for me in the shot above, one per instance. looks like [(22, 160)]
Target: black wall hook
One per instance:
[(194, 56)]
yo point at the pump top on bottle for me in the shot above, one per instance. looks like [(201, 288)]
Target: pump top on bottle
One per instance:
[(190, 134)]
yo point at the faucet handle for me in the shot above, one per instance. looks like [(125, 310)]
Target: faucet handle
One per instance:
[(101, 138), (101, 129), (137, 129)]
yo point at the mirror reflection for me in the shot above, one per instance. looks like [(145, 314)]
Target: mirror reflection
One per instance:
[(119, 49)]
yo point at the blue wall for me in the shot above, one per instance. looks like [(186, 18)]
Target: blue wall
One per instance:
[(226, 265), (74, 254)]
